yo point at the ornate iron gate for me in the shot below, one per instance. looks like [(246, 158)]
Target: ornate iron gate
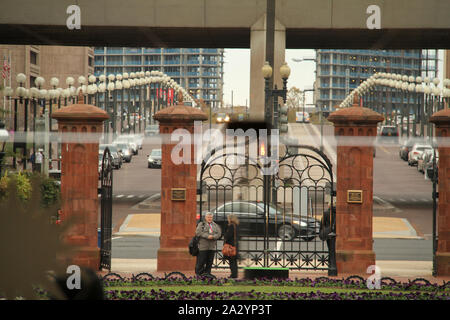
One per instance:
[(280, 215), (106, 179)]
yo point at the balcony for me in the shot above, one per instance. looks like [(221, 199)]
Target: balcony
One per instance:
[(151, 50), (133, 50), (152, 62), (209, 74), (114, 63), (213, 51), (133, 63), (171, 62), (212, 62), (193, 74), (173, 74), (114, 51), (171, 50), (192, 61), (99, 50)]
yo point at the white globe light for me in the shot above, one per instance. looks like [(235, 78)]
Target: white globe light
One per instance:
[(419, 79), (411, 87), (119, 77), (119, 85), (102, 87), (92, 78), (70, 81), (54, 82), (125, 75), (21, 78), (39, 81), (111, 77), (419, 88), (427, 89), (436, 91), (102, 78), (20, 91), (426, 80), (126, 84), (111, 86), (436, 81), (404, 78), (81, 80)]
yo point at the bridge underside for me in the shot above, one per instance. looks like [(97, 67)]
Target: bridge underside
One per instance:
[(223, 37)]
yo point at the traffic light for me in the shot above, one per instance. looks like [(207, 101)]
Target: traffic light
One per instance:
[(283, 119)]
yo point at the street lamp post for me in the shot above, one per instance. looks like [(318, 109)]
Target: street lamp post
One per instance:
[(271, 116)]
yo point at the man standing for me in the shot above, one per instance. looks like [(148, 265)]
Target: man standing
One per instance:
[(208, 232)]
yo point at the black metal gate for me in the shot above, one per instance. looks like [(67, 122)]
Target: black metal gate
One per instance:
[(280, 215), (433, 174), (106, 180)]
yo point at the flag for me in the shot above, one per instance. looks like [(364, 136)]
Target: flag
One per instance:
[(6, 68)]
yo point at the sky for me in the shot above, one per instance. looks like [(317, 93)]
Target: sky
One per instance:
[(237, 73)]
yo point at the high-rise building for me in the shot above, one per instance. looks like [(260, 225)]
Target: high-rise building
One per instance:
[(341, 71), (199, 71)]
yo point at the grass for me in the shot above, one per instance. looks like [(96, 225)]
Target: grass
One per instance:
[(241, 288)]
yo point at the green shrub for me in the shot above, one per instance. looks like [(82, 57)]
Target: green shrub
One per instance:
[(49, 189)]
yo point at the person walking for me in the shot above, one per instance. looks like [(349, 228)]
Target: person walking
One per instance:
[(231, 237), (208, 232)]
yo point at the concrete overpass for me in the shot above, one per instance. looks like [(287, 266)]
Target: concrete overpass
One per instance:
[(231, 24), (226, 23)]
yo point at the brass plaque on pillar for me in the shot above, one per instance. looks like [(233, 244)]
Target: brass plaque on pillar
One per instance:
[(178, 194), (354, 196)]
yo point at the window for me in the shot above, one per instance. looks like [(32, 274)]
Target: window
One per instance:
[(33, 57)]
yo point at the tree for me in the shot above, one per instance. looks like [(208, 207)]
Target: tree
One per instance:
[(295, 98)]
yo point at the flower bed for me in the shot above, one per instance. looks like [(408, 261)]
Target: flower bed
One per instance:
[(176, 286)]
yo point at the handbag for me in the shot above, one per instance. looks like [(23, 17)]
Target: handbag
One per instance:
[(228, 250)]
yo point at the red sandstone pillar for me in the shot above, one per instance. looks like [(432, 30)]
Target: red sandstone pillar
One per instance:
[(354, 250), (178, 189), (79, 177), (442, 121)]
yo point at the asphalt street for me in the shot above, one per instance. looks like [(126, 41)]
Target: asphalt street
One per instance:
[(132, 247)]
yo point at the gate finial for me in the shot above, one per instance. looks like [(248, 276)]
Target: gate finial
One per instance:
[(356, 100), (81, 97)]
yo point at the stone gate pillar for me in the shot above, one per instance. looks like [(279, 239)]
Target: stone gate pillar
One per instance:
[(442, 121), (178, 187), (355, 129), (79, 177)]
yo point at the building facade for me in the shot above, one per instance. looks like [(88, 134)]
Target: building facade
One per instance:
[(44, 61), (199, 71), (341, 71)]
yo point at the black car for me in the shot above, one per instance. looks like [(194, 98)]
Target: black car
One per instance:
[(252, 221), (154, 159), (405, 148)]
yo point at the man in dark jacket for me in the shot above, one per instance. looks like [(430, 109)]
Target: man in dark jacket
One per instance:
[(208, 232)]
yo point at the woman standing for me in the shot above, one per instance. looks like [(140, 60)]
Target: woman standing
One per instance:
[(232, 237)]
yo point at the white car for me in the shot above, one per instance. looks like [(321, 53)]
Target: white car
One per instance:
[(416, 152)]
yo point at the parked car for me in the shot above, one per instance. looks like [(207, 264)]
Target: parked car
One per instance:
[(154, 159), (125, 149), (130, 140), (428, 167), (117, 158), (388, 134), (252, 221), (423, 159), (151, 130), (416, 151), (405, 148)]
